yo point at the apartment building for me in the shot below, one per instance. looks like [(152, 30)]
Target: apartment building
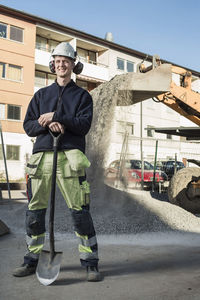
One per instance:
[(26, 43)]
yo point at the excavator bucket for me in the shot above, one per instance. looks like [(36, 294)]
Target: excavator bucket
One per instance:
[(141, 86)]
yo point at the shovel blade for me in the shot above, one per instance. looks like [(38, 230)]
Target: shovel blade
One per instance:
[(48, 268)]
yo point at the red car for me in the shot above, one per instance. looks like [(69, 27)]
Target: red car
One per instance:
[(129, 173)]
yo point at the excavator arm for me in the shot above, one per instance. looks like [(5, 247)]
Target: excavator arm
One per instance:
[(158, 83), (181, 98)]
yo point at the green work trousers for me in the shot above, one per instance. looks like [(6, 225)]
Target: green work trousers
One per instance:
[(71, 180)]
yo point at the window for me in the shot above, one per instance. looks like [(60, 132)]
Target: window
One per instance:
[(120, 127), (14, 72), (9, 71), (130, 66), (150, 131), (82, 84), (87, 55), (2, 70), (50, 79), (120, 64), (123, 127), (2, 111), (169, 136), (3, 30), (12, 152), (41, 43), (92, 56), (14, 112), (130, 128), (52, 45), (16, 34), (45, 44), (125, 65), (87, 85), (40, 79)]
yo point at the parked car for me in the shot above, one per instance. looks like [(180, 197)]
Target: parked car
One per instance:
[(169, 167), (130, 173)]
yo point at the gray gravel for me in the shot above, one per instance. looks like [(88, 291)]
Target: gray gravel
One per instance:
[(114, 212)]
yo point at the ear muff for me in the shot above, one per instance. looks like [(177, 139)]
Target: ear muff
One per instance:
[(78, 68), (52, 66)]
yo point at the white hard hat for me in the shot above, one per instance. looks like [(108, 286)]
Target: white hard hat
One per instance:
[(64, 49)]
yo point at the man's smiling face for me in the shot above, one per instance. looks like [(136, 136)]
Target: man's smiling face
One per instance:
[(63, 66)]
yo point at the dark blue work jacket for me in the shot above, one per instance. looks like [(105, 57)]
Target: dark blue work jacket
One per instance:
[(73, 108)]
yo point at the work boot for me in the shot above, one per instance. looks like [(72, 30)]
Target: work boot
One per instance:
[(93, 274), (24, 270)]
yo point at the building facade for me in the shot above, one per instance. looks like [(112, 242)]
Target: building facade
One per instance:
[(26, 43)]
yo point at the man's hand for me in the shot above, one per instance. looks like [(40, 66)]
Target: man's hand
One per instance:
[(56, 127), (45, 119)]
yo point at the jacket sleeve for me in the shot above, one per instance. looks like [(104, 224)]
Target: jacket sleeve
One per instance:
[(81, 122), (31, 125)]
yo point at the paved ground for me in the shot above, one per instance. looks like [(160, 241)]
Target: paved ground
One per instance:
[(137, 266)]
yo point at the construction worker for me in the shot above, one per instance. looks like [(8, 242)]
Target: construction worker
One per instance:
[(61, 107)]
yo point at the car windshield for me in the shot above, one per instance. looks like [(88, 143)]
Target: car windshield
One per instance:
[(137, 164)]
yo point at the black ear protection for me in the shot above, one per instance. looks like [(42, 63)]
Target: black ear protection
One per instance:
[(52, 66), (78, 68)]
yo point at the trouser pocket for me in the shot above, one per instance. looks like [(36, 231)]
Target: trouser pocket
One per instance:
[(33, 164), (78, 161), (85, 193)]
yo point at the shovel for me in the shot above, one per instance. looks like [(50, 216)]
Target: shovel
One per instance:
[(48, 267)]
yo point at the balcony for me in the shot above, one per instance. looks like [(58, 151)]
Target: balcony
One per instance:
[(42, 57), (95, 70)]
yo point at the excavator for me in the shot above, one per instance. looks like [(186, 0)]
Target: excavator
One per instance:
[(156, 81)]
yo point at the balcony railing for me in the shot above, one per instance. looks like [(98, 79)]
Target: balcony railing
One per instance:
[(84, 59), (43, 47)]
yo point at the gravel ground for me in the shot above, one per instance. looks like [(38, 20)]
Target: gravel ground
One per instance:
[(114, 212)]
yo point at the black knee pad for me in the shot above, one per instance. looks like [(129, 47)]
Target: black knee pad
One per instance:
[(82, 221), (35, 221)]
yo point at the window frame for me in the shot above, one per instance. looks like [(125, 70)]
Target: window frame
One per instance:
[(6, 25), (20, 112), (9, 66), (3, 70), (18, 28), (17, 154), (123, 126), (150, 131), (46, 78), (6, 72), (123, 61), (87, 57), (169, 136), (125, 65), (131, 63), (8, 32)]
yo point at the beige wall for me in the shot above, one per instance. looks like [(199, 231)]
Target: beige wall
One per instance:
[(23, 55)]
